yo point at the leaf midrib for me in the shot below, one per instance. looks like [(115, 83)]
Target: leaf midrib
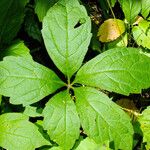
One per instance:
[(67, 40)]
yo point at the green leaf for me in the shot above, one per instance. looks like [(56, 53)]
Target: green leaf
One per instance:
[(39, 124), (103, 120), (141, 33), (117, 70), (131, 9), (144, 120), (145, 8), (26, 81), (12, 14), (18, 48), (55, 148), (42, 6), (89, 144), (61, 120), (32, 111), (66, 33), (81, 138), (16, 133), (31, 25), (113, 2)]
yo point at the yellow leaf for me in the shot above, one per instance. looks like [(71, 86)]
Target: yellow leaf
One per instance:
[(110, 30)]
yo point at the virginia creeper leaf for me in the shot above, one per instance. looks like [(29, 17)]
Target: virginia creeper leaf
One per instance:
[(141, 33), (66, 33), (61, 120), (117, 70), (18, 48), (131, 9), (103, 120), (42, 6), (110, 30), (16, 133), (89, 144), (145, 8), (12, 13), (144, 120), (26, 81)]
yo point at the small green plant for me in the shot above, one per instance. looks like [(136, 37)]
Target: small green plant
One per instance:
[(81, 108)]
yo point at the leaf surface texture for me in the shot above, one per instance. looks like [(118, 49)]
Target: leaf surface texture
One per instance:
[(121, 70), (26, 81), (103, 120), (61, 120), (66, 33), (16, 133)]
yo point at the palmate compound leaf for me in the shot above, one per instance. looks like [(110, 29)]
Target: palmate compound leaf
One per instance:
[(66, 33), (61, 120), (17, 133), (102, 120), (121, 70), (144, 120), (26, 81)]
